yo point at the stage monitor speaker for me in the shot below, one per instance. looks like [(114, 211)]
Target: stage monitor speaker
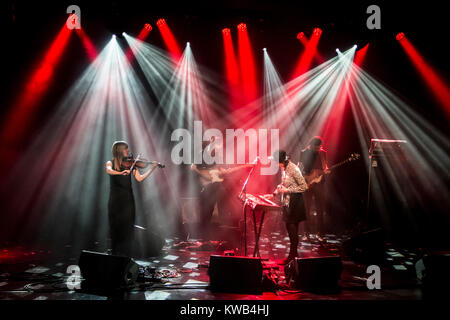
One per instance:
[(433, 271), (315, 274), (235, 274), (367, 247), (101, 271)]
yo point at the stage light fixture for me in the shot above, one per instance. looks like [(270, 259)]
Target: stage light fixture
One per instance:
[(308, 54), (226, 31), (400, 36), (148, 27), (337, 50), (188, 44), (264, 49), (300, 35), (355, 46), (317, 31), (242, 27), (160, 22)]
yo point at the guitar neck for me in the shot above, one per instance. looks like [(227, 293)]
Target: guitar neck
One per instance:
[(231, 170), (339, 164), (206, 172)]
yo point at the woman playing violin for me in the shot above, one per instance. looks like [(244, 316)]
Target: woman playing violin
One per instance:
[(121, 206)]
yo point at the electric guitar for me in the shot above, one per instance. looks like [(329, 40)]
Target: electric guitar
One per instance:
[(209, 176), (316, 175)]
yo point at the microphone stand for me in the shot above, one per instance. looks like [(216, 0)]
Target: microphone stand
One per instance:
[(243, 192), (244, 187)]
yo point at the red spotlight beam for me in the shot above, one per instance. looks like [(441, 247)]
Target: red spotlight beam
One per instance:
[(169, 39), (333, 127), (231, 67), (142, 36), (360, 55), (144, 32), (87, 43), (19, 118), (438, 86), (309, 53), (247, 65), (304, 41)]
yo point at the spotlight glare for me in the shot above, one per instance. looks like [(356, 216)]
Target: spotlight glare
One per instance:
[(188, 44), (242, 27), (317, 31), (160, 22), (148, 27), (355, 46), (264, 49), (337, 50), (300, 35), (226, 31), (400, 36)]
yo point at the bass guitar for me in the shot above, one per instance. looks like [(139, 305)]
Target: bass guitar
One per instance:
[(209, 176), (316, 175)]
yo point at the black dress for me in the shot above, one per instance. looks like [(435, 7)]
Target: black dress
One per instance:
[(121, 214)]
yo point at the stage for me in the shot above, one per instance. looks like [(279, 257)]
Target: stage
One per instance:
[(246, 151), (182, 273)]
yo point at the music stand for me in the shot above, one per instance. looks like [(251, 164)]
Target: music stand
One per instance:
[(244, 192)]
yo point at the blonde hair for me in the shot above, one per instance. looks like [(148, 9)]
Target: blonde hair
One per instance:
[(117, 152)]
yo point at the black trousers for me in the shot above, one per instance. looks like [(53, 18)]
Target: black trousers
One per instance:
[(209, 196)]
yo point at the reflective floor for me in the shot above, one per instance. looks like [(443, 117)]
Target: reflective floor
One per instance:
[(181, 272)]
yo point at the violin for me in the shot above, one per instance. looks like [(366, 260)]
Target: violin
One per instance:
[(131, 162)]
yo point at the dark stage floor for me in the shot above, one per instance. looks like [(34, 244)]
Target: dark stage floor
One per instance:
[(182, 273)]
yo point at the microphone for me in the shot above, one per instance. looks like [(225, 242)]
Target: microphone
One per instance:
[(160, 165)]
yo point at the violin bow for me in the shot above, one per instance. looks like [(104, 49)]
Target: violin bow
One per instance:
[(134, 163)]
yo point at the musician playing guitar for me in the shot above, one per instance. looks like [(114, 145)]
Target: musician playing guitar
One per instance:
[(212, 189), (314, 162)]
